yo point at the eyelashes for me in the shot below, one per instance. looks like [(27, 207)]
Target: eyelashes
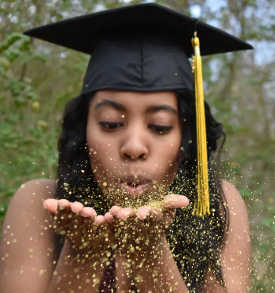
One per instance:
[(159, 129), (110, 125)]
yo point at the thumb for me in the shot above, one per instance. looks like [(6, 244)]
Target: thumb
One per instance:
[(174, 201)]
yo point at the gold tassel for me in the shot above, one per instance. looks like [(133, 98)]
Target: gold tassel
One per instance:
[(202, 205)]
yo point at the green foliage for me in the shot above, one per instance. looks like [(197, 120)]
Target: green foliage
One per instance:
[(28, 145)]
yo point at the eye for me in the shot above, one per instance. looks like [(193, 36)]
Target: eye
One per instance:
[(160, 129), (110, 125)]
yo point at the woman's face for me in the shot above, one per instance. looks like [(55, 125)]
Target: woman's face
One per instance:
[(134, 141)]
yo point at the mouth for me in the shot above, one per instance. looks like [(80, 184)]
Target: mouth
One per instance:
[(134, 190), (135, 185)]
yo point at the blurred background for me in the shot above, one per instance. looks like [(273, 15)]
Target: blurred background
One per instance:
[(37, 79)]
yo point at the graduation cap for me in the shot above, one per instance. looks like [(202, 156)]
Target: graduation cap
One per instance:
[(146, 47)]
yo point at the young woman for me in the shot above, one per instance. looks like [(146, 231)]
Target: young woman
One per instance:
[(119, 217)]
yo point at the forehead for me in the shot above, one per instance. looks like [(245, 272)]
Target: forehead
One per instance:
[(136, 99)]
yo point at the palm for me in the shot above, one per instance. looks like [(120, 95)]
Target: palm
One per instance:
[(134, 232), (139, 233), (86, 231)]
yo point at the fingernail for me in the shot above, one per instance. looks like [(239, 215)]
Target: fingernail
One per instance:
[(75, 210), (142, 217)]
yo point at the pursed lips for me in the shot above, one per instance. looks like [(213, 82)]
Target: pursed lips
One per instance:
[(135, 184)]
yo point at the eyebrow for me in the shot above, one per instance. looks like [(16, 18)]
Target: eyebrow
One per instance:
[(120, 107), (113, 104), (156, 108)]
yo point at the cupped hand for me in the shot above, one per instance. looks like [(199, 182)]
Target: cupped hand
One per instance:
[(140, 233), (136, 232), (87, 231)]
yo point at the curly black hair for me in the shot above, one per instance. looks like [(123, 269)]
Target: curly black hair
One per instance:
[(195, 242)]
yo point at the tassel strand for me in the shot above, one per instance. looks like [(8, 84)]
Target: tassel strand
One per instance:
[(202, 205)]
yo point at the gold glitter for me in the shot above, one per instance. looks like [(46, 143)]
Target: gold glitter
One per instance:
[(139, 278), (95, 282)]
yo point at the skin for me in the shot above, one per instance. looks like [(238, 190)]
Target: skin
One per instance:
[(133, 148), (138, 144)]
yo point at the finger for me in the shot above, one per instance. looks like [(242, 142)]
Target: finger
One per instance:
[(99, 220), (76, 207), (63, 204), (108, 217), (143, 212), (114, 211), (174, 201), (88, 212), (51, 205), (124, 213)]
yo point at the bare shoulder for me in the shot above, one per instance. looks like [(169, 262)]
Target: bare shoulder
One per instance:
[(27, 202), (237, 237), (235, 202), (37, 189), (235, 256), (27, 246), (236, 252)]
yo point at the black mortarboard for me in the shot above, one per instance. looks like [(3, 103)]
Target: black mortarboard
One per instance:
[(141, 47), (146, 48)]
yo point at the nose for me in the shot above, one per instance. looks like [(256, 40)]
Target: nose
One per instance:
[(134, 147)]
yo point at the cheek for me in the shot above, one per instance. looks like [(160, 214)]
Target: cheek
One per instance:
[(167, 157), (172, 148), (173, 157), (102, 154)]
